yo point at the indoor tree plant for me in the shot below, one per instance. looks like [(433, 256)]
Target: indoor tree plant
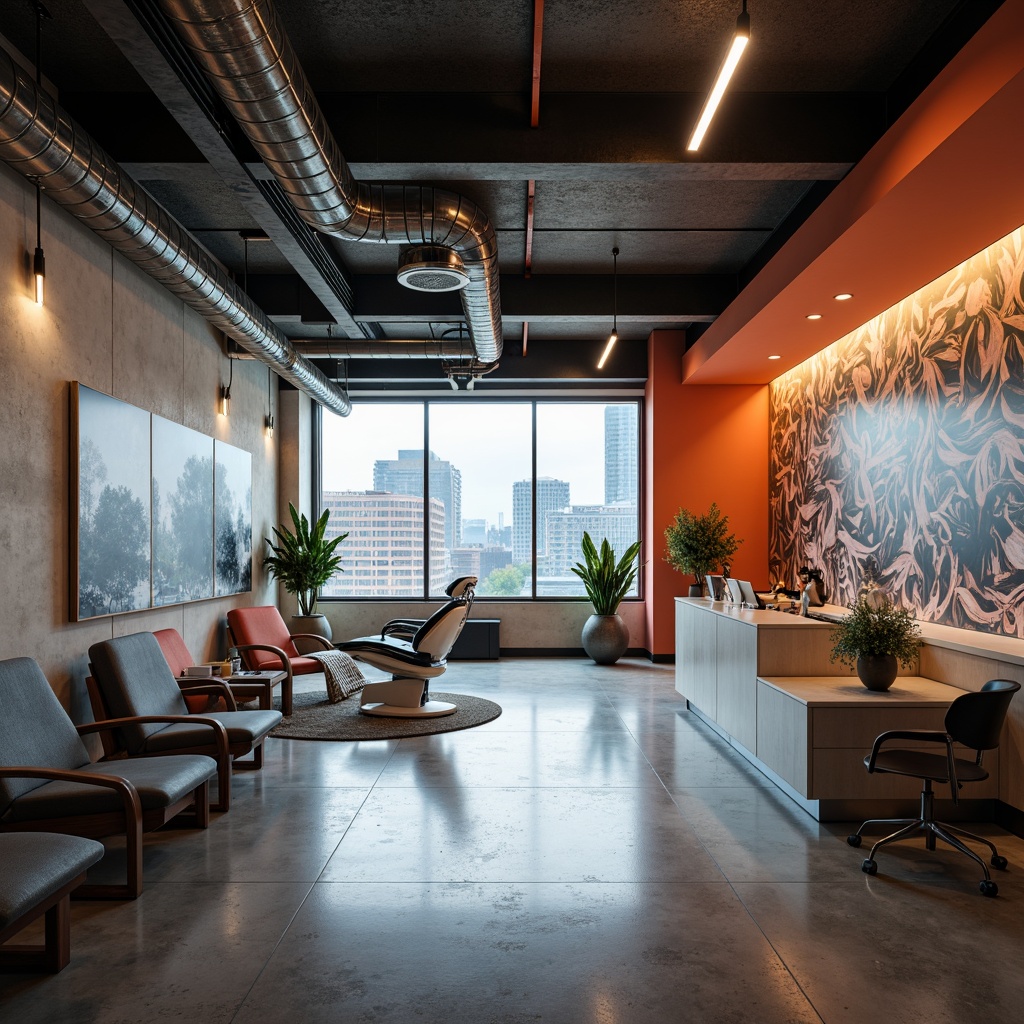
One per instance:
[(607, 581), (700, 544), (303, 562), (874, 639)]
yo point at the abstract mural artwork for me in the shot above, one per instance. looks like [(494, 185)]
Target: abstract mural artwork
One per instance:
[(148, 511), (905, 441)]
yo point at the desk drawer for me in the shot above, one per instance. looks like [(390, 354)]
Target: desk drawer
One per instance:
[(853, 727)]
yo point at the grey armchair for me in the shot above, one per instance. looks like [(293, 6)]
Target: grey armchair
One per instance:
[(41, 870), (134, 679), (48, 782)]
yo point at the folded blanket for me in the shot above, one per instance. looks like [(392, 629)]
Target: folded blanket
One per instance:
[(342, 674)]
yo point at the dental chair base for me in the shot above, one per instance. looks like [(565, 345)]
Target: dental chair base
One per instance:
[(402, 697)]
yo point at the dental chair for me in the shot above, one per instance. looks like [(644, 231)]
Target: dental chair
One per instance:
[(404, 629), (413, 662)]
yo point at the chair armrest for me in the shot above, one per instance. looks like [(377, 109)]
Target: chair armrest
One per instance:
[(214, 687), (322, 640), (220, 733), (925, 736), (286, 663), (128, 793), (404, 629)]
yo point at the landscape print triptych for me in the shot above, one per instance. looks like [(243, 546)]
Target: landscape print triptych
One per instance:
[(905, 441), (164, 513)]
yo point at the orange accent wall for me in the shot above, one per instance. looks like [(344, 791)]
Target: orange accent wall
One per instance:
[(703, 444)]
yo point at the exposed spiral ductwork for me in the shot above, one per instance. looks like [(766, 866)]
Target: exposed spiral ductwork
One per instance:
[(40, 140), (243, 49)]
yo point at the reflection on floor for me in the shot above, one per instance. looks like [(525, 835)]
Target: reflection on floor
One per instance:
[(594, 855)]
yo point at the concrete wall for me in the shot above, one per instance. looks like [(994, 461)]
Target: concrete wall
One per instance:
[(108, 325)]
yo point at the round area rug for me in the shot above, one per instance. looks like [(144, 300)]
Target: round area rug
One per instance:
[(314, 718)]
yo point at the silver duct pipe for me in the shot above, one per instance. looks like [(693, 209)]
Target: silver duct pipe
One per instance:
[(390, 349), (243, 49), (41, 141)]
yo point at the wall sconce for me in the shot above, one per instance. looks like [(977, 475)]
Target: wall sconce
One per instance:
[(38, 259), (269, 423), (225, 399)]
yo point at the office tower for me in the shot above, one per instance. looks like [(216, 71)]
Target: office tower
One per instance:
[(474, 531), (404, 475), (551, 494), (383, 552), (621, 444), (564, 529)]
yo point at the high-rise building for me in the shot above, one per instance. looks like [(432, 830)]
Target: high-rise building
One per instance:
[(474, 531), (383, 552), (404, 475), (551, 494), (621, 446), (565, 528)]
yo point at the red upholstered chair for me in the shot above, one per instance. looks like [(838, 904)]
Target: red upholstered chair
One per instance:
[(261, 637), (179, 659)]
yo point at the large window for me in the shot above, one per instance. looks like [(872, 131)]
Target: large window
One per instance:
[(502, 490)]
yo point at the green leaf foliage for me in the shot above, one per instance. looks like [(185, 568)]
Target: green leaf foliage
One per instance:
[(882, 631), (303, 561), (607, 581), (700, 544)]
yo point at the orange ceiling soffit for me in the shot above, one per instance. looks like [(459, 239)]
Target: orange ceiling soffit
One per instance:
[(924, 199)]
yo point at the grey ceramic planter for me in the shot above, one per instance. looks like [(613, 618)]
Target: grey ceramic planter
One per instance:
[(605, 638)]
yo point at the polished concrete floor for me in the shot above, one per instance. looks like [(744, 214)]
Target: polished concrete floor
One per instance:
[(594, 855)]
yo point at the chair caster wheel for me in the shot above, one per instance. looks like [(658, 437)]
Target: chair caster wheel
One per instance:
[(853, 840), (988, 888), (998, 862), (869, 867)]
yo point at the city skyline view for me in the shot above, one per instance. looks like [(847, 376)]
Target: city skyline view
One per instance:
[(480, 484)]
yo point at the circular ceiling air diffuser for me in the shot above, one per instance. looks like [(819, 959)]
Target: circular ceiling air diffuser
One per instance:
[(432, 268)]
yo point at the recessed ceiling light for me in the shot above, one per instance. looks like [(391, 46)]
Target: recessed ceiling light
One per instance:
[(843, 296), (813, 316), (775, 357)]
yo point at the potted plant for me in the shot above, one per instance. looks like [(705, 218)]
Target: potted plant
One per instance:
[(700, 544), (303, 562), (607, 581), (874, 638)]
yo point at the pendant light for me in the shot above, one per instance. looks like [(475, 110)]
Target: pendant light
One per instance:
[(739, 43), (614, 336)]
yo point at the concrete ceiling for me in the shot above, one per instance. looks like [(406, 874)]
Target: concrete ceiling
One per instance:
[(440, 93)]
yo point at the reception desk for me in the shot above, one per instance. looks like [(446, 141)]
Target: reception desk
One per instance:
[(763, 680)]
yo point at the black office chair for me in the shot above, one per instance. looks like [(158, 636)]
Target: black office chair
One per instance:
[(974, 720)]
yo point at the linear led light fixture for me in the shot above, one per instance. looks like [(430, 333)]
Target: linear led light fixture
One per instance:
[(614, 336), (725, 73)]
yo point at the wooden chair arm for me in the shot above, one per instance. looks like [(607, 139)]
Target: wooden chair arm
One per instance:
[(322, 640), (220, 733), (128, 793), (211, 686), (286, 664)]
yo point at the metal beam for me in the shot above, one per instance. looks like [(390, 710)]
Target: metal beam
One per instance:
[(394, 136)]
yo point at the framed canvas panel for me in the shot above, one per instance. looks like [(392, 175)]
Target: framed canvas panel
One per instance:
[(232, 520), (111, 511), (182, 514)]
